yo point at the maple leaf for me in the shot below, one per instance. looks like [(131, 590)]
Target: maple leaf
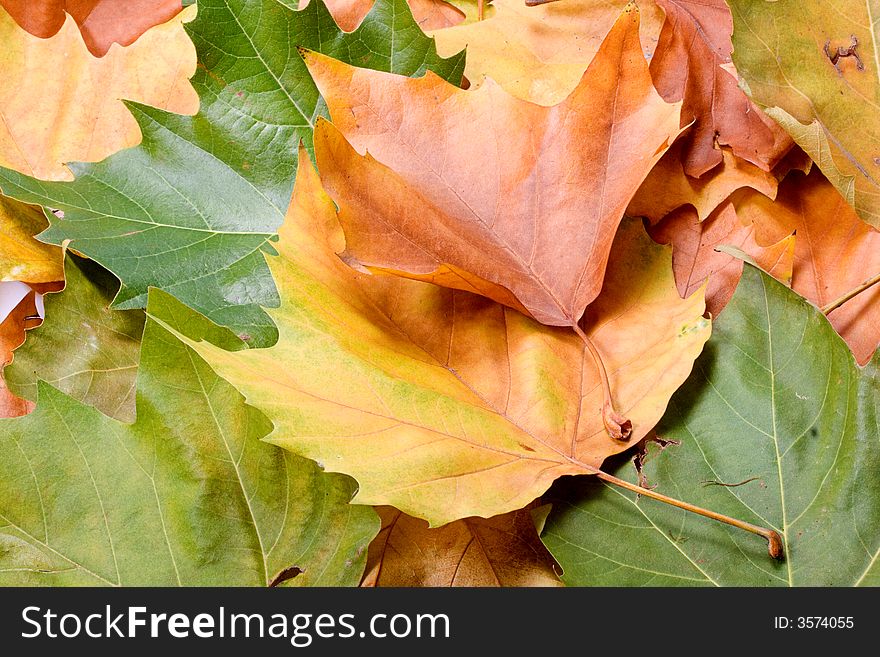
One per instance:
[(500, 551), (186, 495), (808, 238), (61, 104), (190, 209), (697, 258), (446, 404), (102, 22), (469, 214), (473, 210), (22, 258), (834, 253), (694, 45), (777, 424), (819, 65), (668, 187), (428, 14), (539, 53), (98, 347)]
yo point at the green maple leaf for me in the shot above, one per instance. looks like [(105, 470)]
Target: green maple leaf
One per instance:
[(187, 495), (191, 209), (776, 405)]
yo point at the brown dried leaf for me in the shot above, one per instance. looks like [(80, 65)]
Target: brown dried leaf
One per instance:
[(445, 404), (668, 187), (695, 259), (528, 222), (12, 334), (501, 551), (695, 43), (834, 252)]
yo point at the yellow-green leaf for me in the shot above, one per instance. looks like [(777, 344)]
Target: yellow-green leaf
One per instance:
[(445, 404), (819, 61)]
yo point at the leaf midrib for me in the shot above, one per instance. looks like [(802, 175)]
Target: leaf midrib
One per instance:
[(772, 374), (263, 61)]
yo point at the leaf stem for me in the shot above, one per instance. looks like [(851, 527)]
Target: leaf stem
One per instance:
[(775, 546), (617, 426), (864, 285)]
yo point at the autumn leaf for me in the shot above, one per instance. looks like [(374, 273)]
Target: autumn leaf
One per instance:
[(61, 104), (445, 404), (539, 53), (187, 495), (778, 425), (687, 65), (12, 334), (464, 206), (428, 14), (668, 187), (102, 22), (500, 551), (813, 140), (819, 65), (83, 348), (697, 258), (27, 267), (834, 253), (22, 258), (808, 238), (352, 309), (435, 14), (191, 208)]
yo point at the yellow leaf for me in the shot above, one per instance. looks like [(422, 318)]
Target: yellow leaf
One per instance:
[(23, 258), (815, 65), (540, 53), (60, 104), (443, 403)]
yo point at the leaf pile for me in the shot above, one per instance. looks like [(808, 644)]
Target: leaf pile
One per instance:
[(417, 293)]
